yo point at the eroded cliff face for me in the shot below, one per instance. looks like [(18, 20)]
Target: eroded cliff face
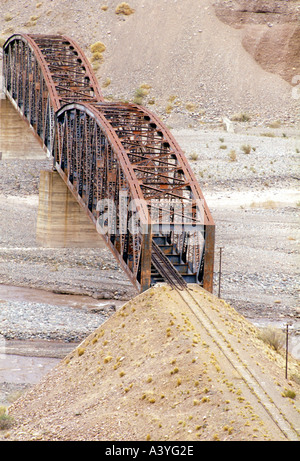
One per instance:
[(271, 32)]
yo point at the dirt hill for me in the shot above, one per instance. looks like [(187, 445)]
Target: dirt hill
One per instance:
[(154, 372), (190, 55)]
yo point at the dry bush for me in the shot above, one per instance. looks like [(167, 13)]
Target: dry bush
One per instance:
[(97, 47), (273, 337), (232, 156), (140, 94), (241, 117), (246, 149), (275, 124), (6, 421), (124, 8), (194, 156)]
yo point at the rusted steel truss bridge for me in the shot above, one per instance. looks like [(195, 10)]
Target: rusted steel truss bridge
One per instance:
[(120, 162)]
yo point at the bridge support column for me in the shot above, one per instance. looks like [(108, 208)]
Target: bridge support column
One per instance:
[(61, 223), (208, 276)]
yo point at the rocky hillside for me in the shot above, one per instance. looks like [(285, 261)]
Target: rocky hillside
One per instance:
[(196, 61), (271, 32)]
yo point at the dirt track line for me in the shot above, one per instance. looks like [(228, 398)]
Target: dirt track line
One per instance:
[(247, 375)]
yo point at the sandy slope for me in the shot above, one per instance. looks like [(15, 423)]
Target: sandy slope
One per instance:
[(153, 372)]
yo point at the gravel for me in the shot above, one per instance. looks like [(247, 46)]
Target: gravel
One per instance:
[(28, 320)]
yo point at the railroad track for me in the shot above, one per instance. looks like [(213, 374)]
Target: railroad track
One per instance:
[(254, 384), (166, 268)]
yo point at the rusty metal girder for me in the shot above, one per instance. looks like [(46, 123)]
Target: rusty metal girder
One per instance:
[(43, 72), (112, 155)]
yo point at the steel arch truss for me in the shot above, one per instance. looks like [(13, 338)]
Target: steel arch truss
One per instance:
[(125, 166), (120, 162), (43, 72)]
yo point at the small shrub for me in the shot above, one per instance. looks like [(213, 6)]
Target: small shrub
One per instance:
[(80, 351), (97, 57), (6, 421), (169, 108), (104, 7), (140, 94), (275, 124), (268, 135), (98, 47), (273, 337), (194, 156), (106, 83), (232, 156), (8, 17), (246, 148), (190, 107), (241, 117), (124, 8), (289, 394)]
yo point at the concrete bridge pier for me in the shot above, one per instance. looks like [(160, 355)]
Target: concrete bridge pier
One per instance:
[(61, 223)]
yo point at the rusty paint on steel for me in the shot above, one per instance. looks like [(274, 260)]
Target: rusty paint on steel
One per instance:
[(112, 151)]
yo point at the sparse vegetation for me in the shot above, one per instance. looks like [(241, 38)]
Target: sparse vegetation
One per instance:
[(98, 47), (246, 148), (6, 421), (275, 124), (141, 93), (97, 57), (106, 83), (268, 134), (194, 156), (190, 107), (8, 17), (273, 337), (80, 351), (289, 393), (124, 8), (232, 156), (268, 204), (241, 117)]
